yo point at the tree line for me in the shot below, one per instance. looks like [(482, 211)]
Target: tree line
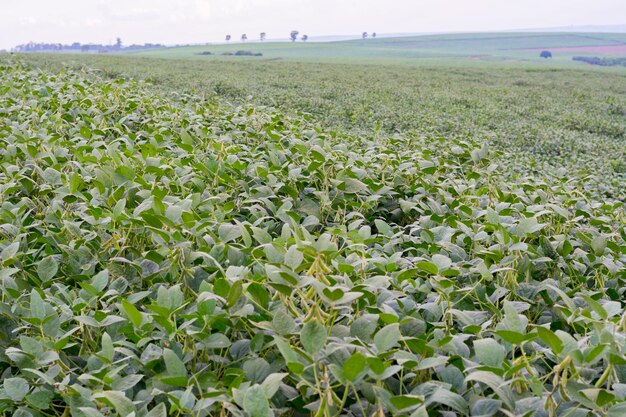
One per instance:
[(77, 46), (293, 36), (603, 62)]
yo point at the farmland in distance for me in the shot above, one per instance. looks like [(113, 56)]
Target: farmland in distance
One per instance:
[(490, 47)]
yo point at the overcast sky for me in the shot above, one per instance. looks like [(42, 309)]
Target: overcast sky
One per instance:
[(198, 21)]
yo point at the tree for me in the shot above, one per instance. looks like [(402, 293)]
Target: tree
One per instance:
[(262, 36), (373, 34), (545, 54), (84, 48), (364, 35), (294, 35), (227, 38), (118, 43), (305, 38), (244, 37)]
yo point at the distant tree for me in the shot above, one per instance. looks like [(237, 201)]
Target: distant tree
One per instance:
[(294, 35), (305, 38), (373, 34), (364, 35), (84, 48), (244, 37), (118, 43), (262, 36), (545, 54), (227, 38)]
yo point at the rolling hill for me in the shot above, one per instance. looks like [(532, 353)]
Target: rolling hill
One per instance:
[(476, 46)]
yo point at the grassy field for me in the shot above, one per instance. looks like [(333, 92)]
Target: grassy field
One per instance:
[(263, 237), (480, 46)]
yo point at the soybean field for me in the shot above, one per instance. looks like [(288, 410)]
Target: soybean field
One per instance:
[(181, 237)]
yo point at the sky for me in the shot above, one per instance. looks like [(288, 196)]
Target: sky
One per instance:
[(198, 21)]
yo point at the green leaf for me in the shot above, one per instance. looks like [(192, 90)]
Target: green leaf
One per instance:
[(217, 341), (37, 306), (596, 307), (449, 398), (75, 182), (126, 383), (604, 398), (272, 384), (295, 367), (107, 347), (119, 207), (526, 226), (387, 337), (261, 235), (598, 245), (496, 383), (354, 186), (173, 364), (90, 412), (441, 261), (255, 402), (186, 138), (514, 338), (174, 213), (285, 349), (51, 176), (313, 336), (10, 251), (550, 339), (170, 298), (486, 407), (234, 293), (293, 257), (158, 411), (383, 228), (405, 401), (513, 321), (47, 268), (16, 388), (428, 267), (617, 410), (100, 280), (119, 401), (228, 232), (133, 314), (283, 323), (85, 132), (489, 352), (354, 366), (364, 327), (591, 355), (40, 399), (420, 412)]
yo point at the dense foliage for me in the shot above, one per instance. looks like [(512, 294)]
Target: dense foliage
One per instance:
[(546, 118), (186, 257)]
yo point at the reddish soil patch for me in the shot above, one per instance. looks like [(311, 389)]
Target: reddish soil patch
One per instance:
[(598, 49)]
